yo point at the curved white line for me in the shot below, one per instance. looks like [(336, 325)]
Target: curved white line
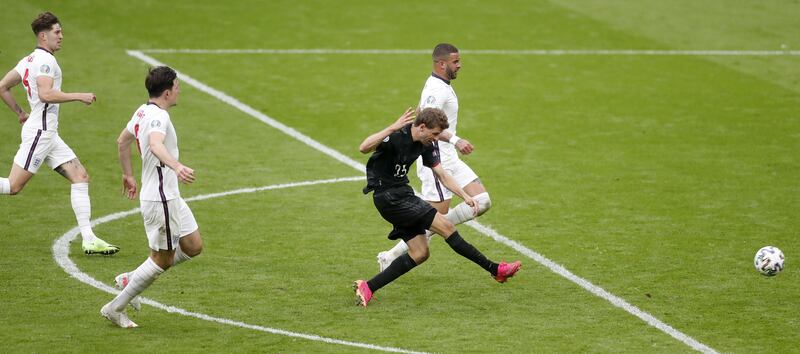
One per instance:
[(61, 256), (552, 266)]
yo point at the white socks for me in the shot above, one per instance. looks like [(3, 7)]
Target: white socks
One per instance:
[(179, 258), (463, 212), (398, 250), (83, 209), (138, 280), (5, 186)]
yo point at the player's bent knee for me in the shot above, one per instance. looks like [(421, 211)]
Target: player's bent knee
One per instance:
[(194, 252), (484, 202), (192, 244), (15, 188), (419, 256), (83, 178)]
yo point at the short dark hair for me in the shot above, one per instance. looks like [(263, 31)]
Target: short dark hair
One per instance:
[(442, 51), (432, 118), (44, 22), (159, 79)]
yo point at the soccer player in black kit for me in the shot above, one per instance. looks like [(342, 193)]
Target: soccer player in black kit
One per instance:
[(396, 148)]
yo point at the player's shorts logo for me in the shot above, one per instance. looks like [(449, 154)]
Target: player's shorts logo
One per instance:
[(36, 162), (44, 69)]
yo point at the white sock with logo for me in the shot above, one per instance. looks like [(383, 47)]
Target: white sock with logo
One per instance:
[(82, 207)]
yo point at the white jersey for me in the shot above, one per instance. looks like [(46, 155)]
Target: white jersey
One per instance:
[(159, 182), (438, 93), (43, 116)]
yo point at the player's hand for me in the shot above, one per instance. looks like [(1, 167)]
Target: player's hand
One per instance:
[(87, 98), (129, 187), (185, 174), (404, 119), (23, 116), (464, 147), (471, 202)]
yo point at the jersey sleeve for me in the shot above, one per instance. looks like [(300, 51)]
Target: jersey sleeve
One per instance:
[(430, 157), (44, 65), (434, 99), (20, 68), (159, 123), (131, 126)]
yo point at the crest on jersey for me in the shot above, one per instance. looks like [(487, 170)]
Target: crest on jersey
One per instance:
[(386, 139), (430, 100), (155, 124), (45, 69)]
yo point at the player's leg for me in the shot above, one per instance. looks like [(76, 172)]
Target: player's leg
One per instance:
[(417, 254), (472, 185), (410, 216), (17, 179), (499, 272), (73, 170), (436, 195), (162, 223), (189, 246), (33, 149), (140, 279)]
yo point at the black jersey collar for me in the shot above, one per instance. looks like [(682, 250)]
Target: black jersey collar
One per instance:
[(154, 104), (51, 53), (440, 78)]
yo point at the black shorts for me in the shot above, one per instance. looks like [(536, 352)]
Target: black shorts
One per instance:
[(409, 214)]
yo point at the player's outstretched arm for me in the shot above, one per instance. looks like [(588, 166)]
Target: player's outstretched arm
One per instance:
[(185, 174), (124, 142), (12, 79), (50, 95), (371, 142), (453, 186)]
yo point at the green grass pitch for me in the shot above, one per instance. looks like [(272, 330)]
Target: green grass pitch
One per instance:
[(654, 177)]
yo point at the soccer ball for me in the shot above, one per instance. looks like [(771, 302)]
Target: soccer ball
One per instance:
[(769, 260)]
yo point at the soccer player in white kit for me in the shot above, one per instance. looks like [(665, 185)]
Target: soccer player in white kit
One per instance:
[(41, 77), (172, 232), (438, 93)]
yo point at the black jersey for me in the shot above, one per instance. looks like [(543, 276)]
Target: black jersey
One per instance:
[(389, 164)]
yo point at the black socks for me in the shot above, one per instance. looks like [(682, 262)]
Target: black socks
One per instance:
[(468, 251), (400, 266)]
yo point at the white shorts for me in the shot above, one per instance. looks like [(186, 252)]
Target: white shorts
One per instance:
[(433, 190), (163, 235), (42, 146)]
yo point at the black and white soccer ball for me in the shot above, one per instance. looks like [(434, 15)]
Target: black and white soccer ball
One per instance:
[(769, 260)]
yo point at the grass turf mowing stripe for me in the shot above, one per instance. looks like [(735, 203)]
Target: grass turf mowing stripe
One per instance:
[(61, 256), (552, 266)]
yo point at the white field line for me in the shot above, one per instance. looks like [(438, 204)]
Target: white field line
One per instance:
[(594, 289), (254, 113), (61, 256), (533, 52), (552, 266)]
